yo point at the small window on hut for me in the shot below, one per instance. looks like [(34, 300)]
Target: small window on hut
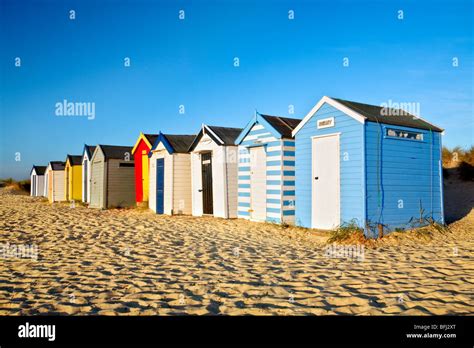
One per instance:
[(402, 134), (125, 164)]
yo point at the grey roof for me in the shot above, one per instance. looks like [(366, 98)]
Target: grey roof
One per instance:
[(179, 142), (74, 159), (392, 116), (40, 170), (227, 135), (151, 138), (116, 151), (57, 165), (90, 150), (283, 125)]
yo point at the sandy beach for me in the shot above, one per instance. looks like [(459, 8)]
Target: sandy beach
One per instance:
[(133, 262)]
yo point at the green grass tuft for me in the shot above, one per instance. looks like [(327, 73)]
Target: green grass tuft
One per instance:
[(345, 231)]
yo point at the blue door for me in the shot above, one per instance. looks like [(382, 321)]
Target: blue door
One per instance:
[(160, 184)]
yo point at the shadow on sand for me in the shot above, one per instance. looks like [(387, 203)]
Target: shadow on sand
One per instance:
[(458, 196)]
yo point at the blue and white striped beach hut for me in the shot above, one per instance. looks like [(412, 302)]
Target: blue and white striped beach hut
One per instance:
[(266, 175)]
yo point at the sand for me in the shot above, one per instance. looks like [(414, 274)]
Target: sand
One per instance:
[(134, 262)]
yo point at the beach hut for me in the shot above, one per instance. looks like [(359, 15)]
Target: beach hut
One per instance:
[(73, 178), (377, 167), (214, 171), (266, 175), (140, 154), (112, 177), (37, 181), (86, 172), (170, 174), (54, 179)]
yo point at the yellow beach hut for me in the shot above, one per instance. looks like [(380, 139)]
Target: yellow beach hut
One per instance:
[(73, 178)]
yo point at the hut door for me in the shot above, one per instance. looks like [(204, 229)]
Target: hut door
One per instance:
[(325, 188), (258, 183), (85, 181), (160, 185), (145, 175), (33, 186), (206, 169), (98, 184)]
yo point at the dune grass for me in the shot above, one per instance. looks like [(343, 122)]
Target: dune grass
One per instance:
[(462, 159), (21, 185)]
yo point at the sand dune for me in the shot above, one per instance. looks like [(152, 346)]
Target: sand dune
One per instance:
[(127, 262)]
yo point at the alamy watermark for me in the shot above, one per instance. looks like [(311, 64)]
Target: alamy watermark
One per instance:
[(392, 108), (20, 251), (67, 108), (345, 252)]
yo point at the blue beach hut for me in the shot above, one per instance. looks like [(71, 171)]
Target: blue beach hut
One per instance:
[(378, 167)]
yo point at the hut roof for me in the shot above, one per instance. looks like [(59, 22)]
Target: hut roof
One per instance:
[(221, 135), (40, 170), (74, 159), (180, 142), (388, 115), (283, 125), (151, 138), (89, 149), (57, 165), (115, 151)]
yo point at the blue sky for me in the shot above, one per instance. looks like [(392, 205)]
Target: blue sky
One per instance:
[(190, 62)]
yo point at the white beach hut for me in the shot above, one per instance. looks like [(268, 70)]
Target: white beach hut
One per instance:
[(86, 172), (214, 169), (37, 180)]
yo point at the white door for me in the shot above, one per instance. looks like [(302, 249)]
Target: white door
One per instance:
[(325, 200), (258, 183)]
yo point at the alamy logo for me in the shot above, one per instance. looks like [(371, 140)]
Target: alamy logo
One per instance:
[(392, 108), (37, 331), (345, 252), (25, 251), (67, 108)]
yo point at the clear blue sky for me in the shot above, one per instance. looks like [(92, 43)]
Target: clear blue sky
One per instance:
[(190, 62)]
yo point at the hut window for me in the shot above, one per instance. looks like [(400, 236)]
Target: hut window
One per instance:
[(402, 134), (126, 164)]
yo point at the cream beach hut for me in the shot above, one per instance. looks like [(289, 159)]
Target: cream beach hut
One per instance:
[(170, 174), (55, 181), (86, 172), (214, 168), (112, 177), (37, 181)]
